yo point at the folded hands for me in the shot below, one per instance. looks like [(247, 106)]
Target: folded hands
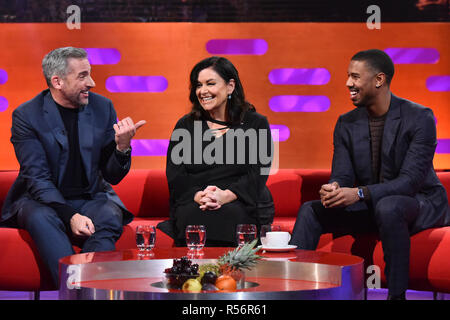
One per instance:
[(333, 196), (212, 198)]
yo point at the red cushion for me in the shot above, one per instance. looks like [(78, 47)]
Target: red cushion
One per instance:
[(20, 265), (156, 200), (128, 238), (445, 180), (361, 245), (429, 268), (312, 180), (286, 223), (285, 187), (6, 180), (131, 190), (430, 263)]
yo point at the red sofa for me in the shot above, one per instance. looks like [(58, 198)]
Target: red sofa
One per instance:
[(145, 193)]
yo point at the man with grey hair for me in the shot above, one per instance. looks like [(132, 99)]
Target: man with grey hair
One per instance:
[(70, 148)]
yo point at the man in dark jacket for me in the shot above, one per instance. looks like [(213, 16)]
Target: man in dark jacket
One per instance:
[(69, 148), (382, 173)]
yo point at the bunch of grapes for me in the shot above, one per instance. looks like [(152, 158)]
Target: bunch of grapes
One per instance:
[(182, 270)]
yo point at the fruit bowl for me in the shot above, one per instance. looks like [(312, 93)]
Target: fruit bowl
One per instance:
[(181, 271), (176, 280), (225, 275)]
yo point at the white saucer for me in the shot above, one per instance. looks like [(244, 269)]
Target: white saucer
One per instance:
[(279, 249), (284, 257)]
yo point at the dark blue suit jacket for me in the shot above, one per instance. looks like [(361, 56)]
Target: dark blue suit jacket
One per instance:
[(42, 149), (407, 151)]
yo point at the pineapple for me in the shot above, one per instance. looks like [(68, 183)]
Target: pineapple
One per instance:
[(240, 258), (208, 267)]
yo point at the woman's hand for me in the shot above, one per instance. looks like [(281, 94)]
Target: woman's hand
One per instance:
[(212, 198), (198, 196), (205, 202)]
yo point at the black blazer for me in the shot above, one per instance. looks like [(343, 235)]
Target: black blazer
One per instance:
[(42, 149), (407, 151)]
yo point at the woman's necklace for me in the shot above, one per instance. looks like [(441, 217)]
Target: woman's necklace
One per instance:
[(219, 130)]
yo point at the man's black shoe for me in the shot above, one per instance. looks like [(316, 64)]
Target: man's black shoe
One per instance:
[(397, 297)]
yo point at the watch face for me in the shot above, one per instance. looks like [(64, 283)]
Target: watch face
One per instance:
[(360, 194)]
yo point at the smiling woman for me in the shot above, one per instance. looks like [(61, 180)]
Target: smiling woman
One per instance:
[(218, 194), (213, 92), (216, 77)]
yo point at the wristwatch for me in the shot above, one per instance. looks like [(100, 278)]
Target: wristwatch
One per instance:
[(361, 194), (125, 152)]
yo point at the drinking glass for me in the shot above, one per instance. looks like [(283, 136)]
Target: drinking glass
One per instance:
[(267, 228), (245, 233), (195, 237), (145, 238)]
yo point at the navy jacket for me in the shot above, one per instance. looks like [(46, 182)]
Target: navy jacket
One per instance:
[(42, 149), (407, 151)]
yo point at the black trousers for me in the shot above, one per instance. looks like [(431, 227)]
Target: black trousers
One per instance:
[(392, 219), (220, 224)]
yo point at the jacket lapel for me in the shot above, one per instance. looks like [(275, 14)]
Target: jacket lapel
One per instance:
[(86, 137), (391, 127), (56, 125)]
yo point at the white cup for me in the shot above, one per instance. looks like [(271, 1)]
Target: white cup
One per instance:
[(277, 239)]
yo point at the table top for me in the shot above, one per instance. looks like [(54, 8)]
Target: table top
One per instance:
[(330, 258), (126, 274)]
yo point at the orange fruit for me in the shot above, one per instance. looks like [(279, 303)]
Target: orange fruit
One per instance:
[(226, 283)]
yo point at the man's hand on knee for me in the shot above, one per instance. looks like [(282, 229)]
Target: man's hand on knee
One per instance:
[(81, 225)]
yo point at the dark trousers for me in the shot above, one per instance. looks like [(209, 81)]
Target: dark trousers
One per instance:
[(54, 239), (392, 219), (220, 224)]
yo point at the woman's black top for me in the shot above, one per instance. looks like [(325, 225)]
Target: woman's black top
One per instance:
[(239, 160)]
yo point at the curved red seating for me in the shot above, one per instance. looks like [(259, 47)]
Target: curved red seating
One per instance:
[(145, 193)]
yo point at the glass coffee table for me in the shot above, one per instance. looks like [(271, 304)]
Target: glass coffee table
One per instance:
[(297, 274)]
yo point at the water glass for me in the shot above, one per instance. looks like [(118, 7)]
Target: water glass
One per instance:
[(245, 233), (195, 237), (145, 238), (267, 228)]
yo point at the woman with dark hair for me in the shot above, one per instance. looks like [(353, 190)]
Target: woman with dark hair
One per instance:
[(218, 159)]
